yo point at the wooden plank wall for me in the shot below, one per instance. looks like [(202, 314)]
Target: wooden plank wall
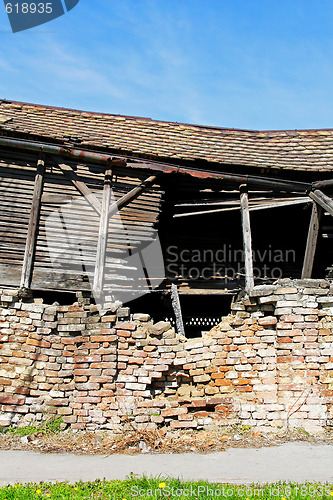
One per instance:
[(68, 225)]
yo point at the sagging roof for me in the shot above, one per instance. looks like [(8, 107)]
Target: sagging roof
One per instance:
[(303, 150)]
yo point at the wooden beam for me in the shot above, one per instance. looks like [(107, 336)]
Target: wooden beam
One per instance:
[(247, 240), (323, 184), (81, 187), (323, 200), (177, 309), (262, 206), (102, 235), (311, 243), (126, 198), (30, 244)]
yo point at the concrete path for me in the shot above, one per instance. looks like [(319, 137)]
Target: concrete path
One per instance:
[(291, 461)]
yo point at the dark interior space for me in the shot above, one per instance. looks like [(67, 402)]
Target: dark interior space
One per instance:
[(200, 312), (206, 251)]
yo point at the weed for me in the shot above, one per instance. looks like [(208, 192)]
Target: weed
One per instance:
[(50, 426)]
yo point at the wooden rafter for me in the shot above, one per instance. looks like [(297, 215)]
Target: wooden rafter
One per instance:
[(30, 245), (102, 235), (311, 243), (247, 239), (177, 309), (323, 200), (81, 186), (253, 205), (126, 198)]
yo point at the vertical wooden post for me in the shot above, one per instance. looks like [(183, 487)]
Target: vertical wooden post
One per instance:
[(311, 243), (30, 244), (102, 235), (247, 240), (177, 309)]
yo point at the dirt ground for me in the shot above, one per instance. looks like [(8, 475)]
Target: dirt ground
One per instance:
[(161, 441)]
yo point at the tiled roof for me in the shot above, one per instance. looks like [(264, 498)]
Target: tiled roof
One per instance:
[(283, 149)]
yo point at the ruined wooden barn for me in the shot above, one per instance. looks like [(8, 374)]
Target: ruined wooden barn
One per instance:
[(82, 195)]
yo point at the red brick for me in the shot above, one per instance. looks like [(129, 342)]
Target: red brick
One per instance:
[(201, 414), (74, 308), (69, 419), (267, 321), (124, 333), (65, 411), (126, 326), (87, 359), (223, 382), (109, 319), (242, 381), (104, 338), (176, 424), (5, 381), (11, 400), (173, 412), (38, 343)]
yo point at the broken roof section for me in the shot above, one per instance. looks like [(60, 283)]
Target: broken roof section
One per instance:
[(303, 150)]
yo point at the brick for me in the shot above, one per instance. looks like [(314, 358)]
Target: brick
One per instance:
[(159, 328), (173, 412), (267, 321), (242, 381), (176, 424), (286, 290), (281, 325), (141, 317), (87, 359), (126, 326), (11, 400), (109, 319)]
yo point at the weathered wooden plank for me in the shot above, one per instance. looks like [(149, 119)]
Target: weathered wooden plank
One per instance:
[(311, 243), (126, 198), (252, 207), (81, 187), (247, 239), (102, 235), (177, 309), (323, 200), (33, 226)]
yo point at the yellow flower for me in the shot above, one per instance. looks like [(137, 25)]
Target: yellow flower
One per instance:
[(282, 498), (38, 492), (48, 495), (331, 493), (76, 488), (162, 485)]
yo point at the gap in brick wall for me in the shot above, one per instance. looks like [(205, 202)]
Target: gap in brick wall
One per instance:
[(51, 296), (200, 312)]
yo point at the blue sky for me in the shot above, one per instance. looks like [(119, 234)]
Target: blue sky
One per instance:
[(253, 64)]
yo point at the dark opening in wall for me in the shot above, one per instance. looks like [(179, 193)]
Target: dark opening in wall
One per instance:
[(51, 296), (200, 312)]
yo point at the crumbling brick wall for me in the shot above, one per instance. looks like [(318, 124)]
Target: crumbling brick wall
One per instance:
[(268, 364)]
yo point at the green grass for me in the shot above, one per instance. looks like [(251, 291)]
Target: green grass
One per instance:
[(161, 487), (51, 426)]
